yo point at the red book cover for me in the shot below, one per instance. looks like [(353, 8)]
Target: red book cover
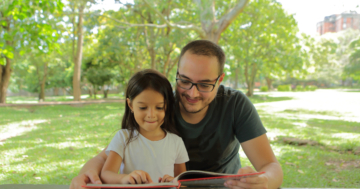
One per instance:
[(185, 179)]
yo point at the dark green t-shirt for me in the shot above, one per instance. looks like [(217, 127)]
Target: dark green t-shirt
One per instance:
[(213, 144)]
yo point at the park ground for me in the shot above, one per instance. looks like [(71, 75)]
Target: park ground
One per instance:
[(315, 136)]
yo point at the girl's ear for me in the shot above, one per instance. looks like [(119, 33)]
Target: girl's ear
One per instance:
[(128, 101)]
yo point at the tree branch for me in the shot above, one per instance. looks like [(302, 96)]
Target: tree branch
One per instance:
[(225, 20), (177, 26)]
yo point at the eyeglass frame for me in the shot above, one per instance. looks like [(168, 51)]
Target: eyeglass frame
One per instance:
[(196, 84)]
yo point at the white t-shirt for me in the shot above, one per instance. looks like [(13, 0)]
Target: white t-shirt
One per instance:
[(154, 157)]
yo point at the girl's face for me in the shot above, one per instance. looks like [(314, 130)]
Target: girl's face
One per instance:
[(149, 111)]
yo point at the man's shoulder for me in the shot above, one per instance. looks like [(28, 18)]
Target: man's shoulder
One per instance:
[(229, 92)]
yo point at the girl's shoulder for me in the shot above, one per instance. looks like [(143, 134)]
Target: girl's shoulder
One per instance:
[(126, 133), (173, 136)]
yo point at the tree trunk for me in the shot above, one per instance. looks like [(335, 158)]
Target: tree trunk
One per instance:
[(94, 86), (269, 83), (150, 45), (105, 91), (78, 58), (5, 72), (56, 91), (236, 79), (42, 84), (250, 79), (212, 27), (250, 89), (90, 93), (166, 63)]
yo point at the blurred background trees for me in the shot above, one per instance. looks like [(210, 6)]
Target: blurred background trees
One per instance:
[(74, 47)]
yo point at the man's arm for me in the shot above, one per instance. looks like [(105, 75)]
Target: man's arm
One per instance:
[(262, 157), (90, 172)]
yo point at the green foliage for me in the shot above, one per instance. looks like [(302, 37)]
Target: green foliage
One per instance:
[(262, 40), (353, 68), (23, 25), (284, 88), (330, 57), (98, 76), (310, 88), (264, 88), (299, 88)]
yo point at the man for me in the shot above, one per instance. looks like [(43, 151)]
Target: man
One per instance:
[(213, 121)]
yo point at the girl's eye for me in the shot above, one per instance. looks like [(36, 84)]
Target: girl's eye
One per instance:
[(142, 108), (159, 108)]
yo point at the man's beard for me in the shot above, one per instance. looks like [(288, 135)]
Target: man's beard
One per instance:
[(178, 98)]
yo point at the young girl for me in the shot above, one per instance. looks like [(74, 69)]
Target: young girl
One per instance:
[(146, 147)]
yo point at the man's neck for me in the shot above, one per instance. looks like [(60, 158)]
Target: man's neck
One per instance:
[(193, 118)]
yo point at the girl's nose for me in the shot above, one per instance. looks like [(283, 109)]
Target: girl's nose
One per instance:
[(151, 113)]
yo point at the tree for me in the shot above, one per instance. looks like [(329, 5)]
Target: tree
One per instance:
[(209, 27), (262, 40), (329, 57), (353, 68), (99, 77), (21, 30)]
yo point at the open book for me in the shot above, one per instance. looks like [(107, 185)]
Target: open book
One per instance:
[(185, 179)]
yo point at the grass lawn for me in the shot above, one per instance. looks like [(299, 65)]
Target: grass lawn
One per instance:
[(55, 141)]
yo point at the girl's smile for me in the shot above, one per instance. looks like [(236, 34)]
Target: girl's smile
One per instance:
[(149, 112)]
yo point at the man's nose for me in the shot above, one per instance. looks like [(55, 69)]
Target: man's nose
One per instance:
[(193, 92)]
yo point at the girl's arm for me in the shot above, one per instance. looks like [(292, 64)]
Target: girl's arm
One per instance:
[(109, 173), (90, 172), (178, 169)]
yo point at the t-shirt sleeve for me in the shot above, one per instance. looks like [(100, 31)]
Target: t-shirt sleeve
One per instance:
[(117, 144), (182, 155), (247, 120)]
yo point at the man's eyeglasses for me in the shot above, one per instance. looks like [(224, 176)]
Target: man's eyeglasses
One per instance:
[(201, 87)]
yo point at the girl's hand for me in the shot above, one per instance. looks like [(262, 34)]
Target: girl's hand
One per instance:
[(136, 177), (166, 178)]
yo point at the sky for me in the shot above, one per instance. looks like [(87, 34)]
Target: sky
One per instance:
[(309, 12), (306, 12)]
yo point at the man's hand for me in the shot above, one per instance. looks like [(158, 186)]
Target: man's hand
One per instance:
[(137, 177), (82, 179), (166, 178), (260, 181)]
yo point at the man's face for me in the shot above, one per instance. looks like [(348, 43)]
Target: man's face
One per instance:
[(197, 69)]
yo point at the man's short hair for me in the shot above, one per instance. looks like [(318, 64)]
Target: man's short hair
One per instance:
[(206, 48)]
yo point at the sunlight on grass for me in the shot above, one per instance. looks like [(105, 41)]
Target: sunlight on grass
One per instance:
[(75, 145), (17, 128), (346, 135)]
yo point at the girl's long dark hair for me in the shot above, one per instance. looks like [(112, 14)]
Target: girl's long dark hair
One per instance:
[(149, 79)]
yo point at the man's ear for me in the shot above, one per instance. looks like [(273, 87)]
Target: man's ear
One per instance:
[(128, 101), (221, 78)]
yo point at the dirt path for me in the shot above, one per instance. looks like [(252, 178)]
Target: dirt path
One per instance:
[(62, 103)]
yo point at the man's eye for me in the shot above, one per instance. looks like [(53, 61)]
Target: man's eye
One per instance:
[(185, 82), (204, 85)]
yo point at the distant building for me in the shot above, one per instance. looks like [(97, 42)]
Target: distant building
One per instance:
[(338, 22)]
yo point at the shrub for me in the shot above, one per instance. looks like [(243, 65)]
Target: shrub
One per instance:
[(310, 88), (284, 88), (299, 88), (264, 88)]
